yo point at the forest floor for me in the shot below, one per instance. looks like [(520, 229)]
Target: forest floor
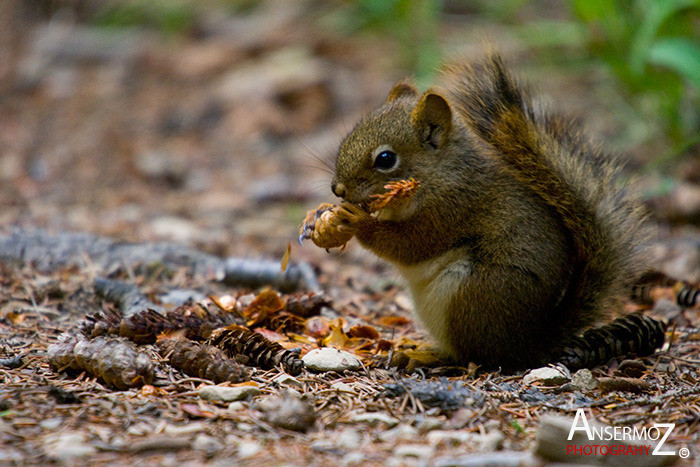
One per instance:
[(218, 141)]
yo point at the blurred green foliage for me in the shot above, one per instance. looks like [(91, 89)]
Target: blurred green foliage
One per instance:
[(413, 23), (653, 49), (170, 17)]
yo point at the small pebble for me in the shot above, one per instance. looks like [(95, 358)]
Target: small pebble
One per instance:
[(139, 429), (421, 451), (546, 375), (328, 359), (490, 441), (400, 432), (206, 443), (287, 380), (227, 393), (179, 430), (349, 439), (49, 424), (248, 449), (429, 424), (584, 380), (290, 411), (353, 458), (235, 406), (448, 437), (375, 418), (67, 446), (343, 387)]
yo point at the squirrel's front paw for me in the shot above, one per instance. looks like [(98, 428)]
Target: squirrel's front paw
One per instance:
[(330, 226), (350, 216)]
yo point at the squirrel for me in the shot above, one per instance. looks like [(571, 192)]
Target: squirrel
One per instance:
[(520, 236)]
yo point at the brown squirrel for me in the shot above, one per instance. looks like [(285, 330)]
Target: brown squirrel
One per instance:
[(519, 237)]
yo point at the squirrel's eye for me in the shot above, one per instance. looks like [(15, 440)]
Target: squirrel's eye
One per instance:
[(386, 161)]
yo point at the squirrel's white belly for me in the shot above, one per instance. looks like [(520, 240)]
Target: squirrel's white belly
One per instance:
[(433, 283)]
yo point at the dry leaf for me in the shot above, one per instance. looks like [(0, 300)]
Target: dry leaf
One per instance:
[(225, 302), (363, 330), (391, 321), (384, 345), (285, 258), (14, 317), (260, 310), (267, 300), (337, 337)]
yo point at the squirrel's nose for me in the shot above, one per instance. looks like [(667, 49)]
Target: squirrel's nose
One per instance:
[(338, 189)]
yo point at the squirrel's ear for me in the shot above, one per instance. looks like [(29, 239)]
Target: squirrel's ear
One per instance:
[(432, 119), (402, 89)]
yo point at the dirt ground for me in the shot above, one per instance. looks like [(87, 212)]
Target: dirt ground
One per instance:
[(218, 139)]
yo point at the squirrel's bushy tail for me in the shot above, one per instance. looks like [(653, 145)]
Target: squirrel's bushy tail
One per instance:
[(569, 173)]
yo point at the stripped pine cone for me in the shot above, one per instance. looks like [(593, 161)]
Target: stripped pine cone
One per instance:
[(400, 191), (143, 327), (237, 342), (202, 361), (115, 361), (633, 333)]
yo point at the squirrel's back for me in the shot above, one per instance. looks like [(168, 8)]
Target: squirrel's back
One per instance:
[(548, 154)]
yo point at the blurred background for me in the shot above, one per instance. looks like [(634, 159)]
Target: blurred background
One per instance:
[(214, 122)]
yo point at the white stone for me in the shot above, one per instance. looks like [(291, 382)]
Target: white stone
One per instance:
[(353, 458), (206, 443), (490, 441), (342, 387), (50, 424), (227, 393), (546, 375), (583, 379), (375, 418), (186, 429), (139, 429), (448, 437), (68, 445), (429, 424), (349, 439), (421, 451), (248, 449), (287, 380), (400, 432), (328, 359), (235, 406), (246, 427)]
